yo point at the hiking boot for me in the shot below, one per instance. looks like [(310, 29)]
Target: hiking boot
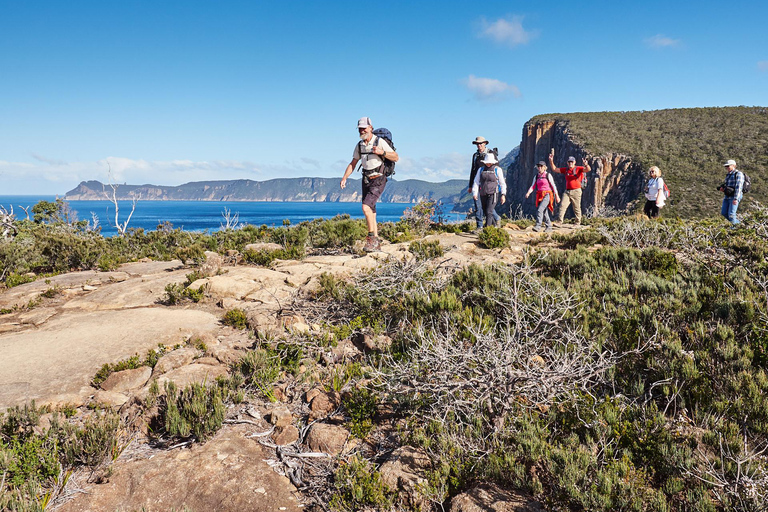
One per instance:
[(549, 228), (371, 244), (537, 228), (376, 244)]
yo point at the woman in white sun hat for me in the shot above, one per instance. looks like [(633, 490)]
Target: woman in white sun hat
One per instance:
[(489, 182)]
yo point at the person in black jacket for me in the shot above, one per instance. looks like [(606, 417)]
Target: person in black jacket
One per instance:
[(477, 163)]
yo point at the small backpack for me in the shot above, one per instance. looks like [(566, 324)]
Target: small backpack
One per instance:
[(747, 184), (667, 193), (387, 166), (489, 183)]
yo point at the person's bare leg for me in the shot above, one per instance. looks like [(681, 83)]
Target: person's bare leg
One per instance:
[(370, 220)]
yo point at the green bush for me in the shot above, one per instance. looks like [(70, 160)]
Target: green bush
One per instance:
[(357, 486), (426, 250), (494, 238), (16, 279), (235, 318), (196, 411), (360, 405)]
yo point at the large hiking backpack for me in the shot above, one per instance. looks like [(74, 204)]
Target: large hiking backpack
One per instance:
[(477, 158), (489, 183), (388, 166)]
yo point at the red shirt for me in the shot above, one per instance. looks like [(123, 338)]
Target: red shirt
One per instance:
[(572, 177)]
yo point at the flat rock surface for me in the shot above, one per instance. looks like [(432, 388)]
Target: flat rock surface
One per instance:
[(63, 355), (226, 474)]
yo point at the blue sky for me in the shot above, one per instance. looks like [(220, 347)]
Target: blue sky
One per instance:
[(170, 92)]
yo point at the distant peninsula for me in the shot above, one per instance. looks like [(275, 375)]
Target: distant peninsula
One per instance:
[(280, 189)]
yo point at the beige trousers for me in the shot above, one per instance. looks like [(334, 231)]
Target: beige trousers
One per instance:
[(570, 197)]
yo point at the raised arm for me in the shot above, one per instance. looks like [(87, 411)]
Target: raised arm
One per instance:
[(552, 161)]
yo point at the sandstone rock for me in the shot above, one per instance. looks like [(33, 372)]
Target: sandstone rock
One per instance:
[(404, 471), (224, 354), (148, 267), (65, 400), (286, 435), (312, 393), (490, 498), (280, 416), (89, 288), (175, 359), (263, 246), (133, 293), (212, 265), (230, 303), (264, 322), (110, 398), (193, 373), (323, 404), (328, 439), (368, 343), (225, 474), (299, 328), (127, 380), (344, 350)]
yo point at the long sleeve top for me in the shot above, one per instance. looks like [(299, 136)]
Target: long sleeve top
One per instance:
[(735, 179), (499, 178)]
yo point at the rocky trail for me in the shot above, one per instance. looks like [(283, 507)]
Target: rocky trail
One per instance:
[(57, 332)]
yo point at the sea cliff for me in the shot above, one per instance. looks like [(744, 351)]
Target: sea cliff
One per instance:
[(281, 189)]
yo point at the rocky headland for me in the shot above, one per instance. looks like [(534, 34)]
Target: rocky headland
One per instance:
[(54, 344)]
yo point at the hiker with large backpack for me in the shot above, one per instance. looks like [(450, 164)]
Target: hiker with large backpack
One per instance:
[(733, 190), (477, 164), (377, 158), (488, 182), (656, 193)]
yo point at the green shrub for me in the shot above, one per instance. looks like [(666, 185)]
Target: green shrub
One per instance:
[(357, 486), (131, 363), (426, 250), (16, 279), (261, 368), (494, 238), (91, 443), (196, 411), (360, 405), (235, 318)]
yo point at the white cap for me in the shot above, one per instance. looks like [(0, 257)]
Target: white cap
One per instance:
[(490, 159), (364, 122), (730, 162)]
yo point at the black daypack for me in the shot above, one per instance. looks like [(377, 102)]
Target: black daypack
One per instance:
[(747, 184), (387, 168), (489, 183), (477, 158)]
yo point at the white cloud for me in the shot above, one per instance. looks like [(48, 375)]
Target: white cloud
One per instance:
[(439, 168), (39, 177), (490, 89), (661, 41), (508, 31), (763, 65)]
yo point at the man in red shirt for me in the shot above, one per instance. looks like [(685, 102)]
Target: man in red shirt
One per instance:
[(573, 176)]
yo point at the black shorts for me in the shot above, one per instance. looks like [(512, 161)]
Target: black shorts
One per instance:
[(372, 190)]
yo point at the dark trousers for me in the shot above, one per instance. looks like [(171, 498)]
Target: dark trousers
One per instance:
[(650, 209), (479, 212), (489, 208)]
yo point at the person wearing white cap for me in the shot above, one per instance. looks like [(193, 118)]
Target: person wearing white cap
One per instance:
[(371, 150), (477, 163), (573, 176), (733, 191), (486, 186)]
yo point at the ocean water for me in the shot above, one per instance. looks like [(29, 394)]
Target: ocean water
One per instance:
[(207, 215)]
